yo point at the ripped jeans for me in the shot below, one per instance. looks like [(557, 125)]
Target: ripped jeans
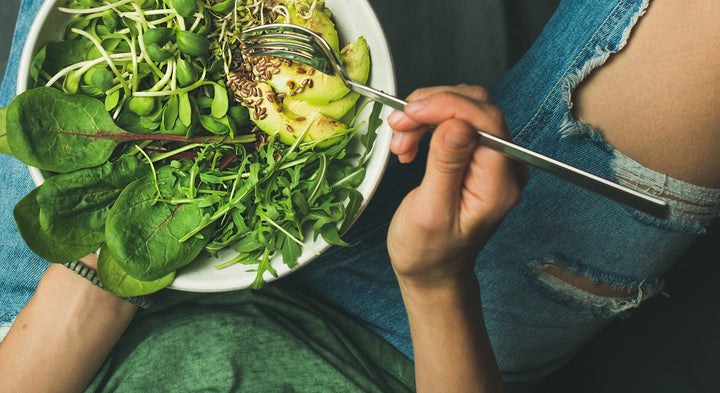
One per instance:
[(537, 321)]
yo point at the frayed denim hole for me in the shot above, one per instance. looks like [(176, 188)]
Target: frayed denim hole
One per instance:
[(582, 301), (601, 54), (4, 329), (692, 208)]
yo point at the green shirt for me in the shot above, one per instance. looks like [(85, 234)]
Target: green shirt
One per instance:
[(250, 341)]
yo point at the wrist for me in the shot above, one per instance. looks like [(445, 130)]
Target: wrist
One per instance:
[(446, 288), (76, 303)]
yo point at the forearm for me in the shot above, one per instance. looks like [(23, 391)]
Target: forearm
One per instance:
[(451, 346), (59, 340)]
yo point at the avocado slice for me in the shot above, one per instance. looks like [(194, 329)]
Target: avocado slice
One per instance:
[(320, 22), (304, 82), (274, 119), (357, 62), (307, 84)]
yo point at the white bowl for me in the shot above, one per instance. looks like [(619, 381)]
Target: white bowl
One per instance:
[(353, 19)]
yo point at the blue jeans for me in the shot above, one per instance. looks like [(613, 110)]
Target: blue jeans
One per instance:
[(535, 321), (20, 269)]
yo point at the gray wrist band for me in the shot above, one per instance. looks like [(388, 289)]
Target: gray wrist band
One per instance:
[(91, 275)]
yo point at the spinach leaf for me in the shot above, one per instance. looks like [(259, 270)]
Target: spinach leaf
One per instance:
[(61, 133), (27, 216), (59, 55), (118, 281), (143, 232), (77, 203), (4, 148)]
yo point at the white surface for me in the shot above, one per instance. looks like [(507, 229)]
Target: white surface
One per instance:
[(353, 19)]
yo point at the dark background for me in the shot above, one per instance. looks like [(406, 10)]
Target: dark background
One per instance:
[(668, 345)]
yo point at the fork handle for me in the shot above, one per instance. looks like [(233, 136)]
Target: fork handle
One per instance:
[(642, 202)]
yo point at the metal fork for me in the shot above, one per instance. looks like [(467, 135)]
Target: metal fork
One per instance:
[(305, 46)]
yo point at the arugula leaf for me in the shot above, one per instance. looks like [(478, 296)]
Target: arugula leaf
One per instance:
[(374, 122), (352, 209)]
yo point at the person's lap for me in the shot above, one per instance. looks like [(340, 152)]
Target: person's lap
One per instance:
[(535, 322)]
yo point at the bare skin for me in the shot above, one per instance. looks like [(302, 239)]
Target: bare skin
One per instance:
[(657, 99), (60, 339), (441, 226)]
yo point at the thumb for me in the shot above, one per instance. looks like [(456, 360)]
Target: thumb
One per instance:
[(451, 149)]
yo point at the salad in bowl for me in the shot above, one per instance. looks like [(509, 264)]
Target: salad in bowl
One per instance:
[(157, 145)]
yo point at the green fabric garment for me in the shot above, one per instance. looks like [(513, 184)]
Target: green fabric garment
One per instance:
[(250, 341)]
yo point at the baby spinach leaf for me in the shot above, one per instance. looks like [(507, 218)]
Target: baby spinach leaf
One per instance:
[(4, 148), (27, 216), (118, 281), (57, 132), (59, 55), (76, 203), (36, 65), (144, 233)]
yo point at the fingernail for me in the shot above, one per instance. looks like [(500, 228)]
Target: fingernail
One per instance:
[(405, 158), (458, 139), (395, 116), (396, 141), (415, 106)]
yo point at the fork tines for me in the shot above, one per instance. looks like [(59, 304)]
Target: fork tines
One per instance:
[(288, 41)]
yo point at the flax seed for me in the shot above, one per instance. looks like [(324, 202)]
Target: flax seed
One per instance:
[(300, 70)]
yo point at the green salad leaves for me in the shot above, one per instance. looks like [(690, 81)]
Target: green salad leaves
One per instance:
[(150, 158)]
